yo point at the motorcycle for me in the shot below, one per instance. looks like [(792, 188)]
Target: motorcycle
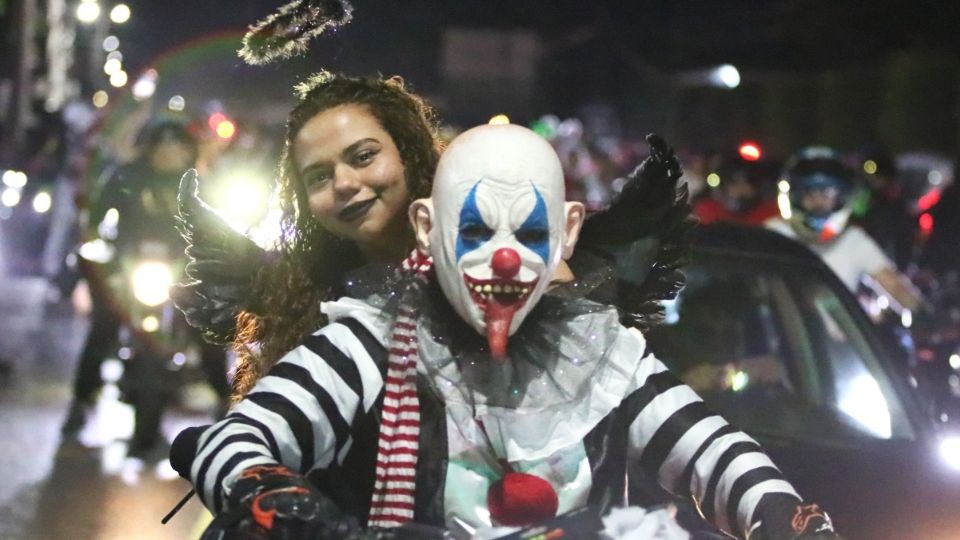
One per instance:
[(583, 523), (158, 351)]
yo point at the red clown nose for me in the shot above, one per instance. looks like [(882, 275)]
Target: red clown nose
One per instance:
[(505, 263)]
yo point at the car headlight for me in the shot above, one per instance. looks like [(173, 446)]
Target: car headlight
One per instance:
[(151, 282), (950, 451)]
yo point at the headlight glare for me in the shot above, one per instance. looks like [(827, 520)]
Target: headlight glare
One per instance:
[(151, 282)]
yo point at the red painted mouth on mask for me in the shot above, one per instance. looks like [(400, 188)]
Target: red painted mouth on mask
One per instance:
[(499, 299)]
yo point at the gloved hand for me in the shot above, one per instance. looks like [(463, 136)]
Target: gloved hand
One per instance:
[(643, 234), (279, 504), (782, 517), (222, 266)]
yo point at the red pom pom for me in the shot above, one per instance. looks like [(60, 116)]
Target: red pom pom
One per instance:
[(521, 499)]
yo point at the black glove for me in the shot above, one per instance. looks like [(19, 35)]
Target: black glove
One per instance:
[(783, 517), (652, 193), (279, 504), (222, 266), (643, 235)]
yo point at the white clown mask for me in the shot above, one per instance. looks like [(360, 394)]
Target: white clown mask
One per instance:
[(497, 226)]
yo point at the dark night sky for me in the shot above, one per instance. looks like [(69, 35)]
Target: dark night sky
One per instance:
[(670, 33), (404, 37)]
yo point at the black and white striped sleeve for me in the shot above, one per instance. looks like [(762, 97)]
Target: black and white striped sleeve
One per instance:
[(693, 451), (298, 415)]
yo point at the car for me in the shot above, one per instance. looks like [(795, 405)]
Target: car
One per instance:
[(775, 343)]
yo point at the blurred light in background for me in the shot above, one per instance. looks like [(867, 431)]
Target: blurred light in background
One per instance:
[(928, 200), (100, 99), (226, 129), (738, 380), (14, 179), (10, 197), (151, 282), (214, 119), (111, 66), (750, 151), (96, 251), (111, 43), (783, 199), (499, 119), (120, 13), (118, 79), (935, 178), (146, 85), (713, 179), (571, 127), (107, 228), (42, 202), (88, 11), (176, 103), (112, 369), (150, 324), (870, 166), (955, 361), (950, 451), (242, 201), (727, 75), (546, 126), (926, 224), (906, 318)]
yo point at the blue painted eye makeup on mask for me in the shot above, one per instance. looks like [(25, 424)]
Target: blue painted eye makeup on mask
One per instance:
[(534, 233), (472, 232)]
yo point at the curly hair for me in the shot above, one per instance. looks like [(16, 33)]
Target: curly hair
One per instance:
[(310, 260)]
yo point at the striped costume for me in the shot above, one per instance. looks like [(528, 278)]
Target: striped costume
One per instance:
[(319, 409)]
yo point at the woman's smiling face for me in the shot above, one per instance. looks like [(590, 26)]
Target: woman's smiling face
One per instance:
[(354, 177)]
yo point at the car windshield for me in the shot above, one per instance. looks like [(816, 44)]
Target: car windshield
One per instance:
[(772, 347)]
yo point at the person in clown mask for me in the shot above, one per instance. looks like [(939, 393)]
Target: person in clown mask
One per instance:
[(465, 393)]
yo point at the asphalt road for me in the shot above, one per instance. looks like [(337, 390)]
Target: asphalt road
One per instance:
[(82, 487)]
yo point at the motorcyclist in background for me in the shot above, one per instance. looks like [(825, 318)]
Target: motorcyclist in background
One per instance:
[(884, 214), (817, 195), (136, 200), (739, 197)]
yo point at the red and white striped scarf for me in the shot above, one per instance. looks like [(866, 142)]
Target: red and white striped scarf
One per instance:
[(392, 503)]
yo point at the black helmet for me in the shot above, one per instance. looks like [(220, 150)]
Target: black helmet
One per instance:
[(817, 169), (166, 130)]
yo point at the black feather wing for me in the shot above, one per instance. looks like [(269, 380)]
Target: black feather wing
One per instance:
[(222, 264), (632, 253)]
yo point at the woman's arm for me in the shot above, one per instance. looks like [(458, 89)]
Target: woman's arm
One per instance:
[(298, 416)]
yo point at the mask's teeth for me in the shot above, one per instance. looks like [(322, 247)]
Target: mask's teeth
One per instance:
[(497, 288), (525, 290), (487, 288)]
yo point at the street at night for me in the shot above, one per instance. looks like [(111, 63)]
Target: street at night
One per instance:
[(480, 270), (83, 487)]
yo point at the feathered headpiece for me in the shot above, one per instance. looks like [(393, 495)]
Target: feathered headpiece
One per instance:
[(287, 32)]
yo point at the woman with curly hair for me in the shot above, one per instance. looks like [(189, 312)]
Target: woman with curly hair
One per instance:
[(357, 152)]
